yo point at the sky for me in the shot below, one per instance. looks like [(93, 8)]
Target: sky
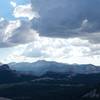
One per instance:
[(65, 31)]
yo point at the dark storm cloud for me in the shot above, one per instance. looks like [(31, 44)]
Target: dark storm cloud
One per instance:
[(67, 18)]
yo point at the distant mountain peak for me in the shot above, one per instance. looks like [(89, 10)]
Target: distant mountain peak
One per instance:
[(41, 61)]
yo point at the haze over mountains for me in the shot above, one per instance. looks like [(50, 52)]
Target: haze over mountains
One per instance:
[(42, 67)]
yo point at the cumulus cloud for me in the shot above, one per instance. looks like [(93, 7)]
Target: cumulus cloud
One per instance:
[(47, 48), (15, 32), (23, 11), (3, 26), (23, 34), (68, 18), (56, 49), (13, 3)]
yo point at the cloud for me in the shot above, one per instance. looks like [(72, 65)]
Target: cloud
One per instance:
[(94, 50), (13, 3), (47, 49), (33, 52), (23, 11), (68, 18), (3, 26), (65, 31), (23, 34), (57, 49), (15, 32)]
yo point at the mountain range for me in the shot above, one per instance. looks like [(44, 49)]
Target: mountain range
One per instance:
[(46, 80), (42, 67)]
